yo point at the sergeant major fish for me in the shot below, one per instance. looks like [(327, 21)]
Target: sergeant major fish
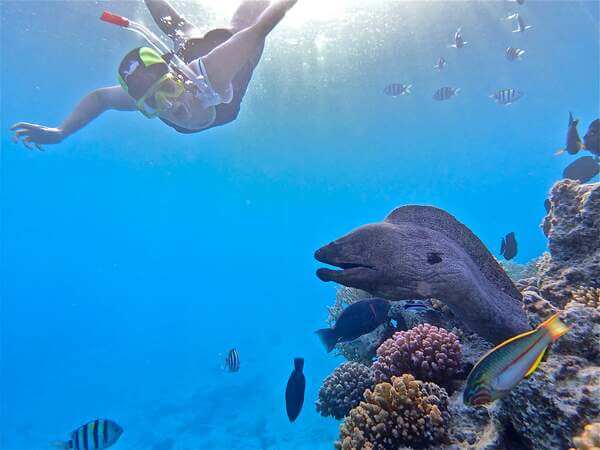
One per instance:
[(459, 42), (521, 27), (232, 362), (441, 64), (503, 367), (512, 53), (445, 93), (506, 96), (95, 435), (397, 89)]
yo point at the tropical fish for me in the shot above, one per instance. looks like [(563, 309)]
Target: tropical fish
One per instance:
[(591, 139), (294, 391), (547, 205), (513, 53), (574, 143), (506, 96), (445, 93), (508, 246), (232, 362), (459, 42), (441, 63), (397, 89), (583, 169), (521, 27), (357, 319), (503, 367), (95, 435)]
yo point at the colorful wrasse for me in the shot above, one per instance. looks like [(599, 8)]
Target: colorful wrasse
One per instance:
[(95, 435), (503, 367)]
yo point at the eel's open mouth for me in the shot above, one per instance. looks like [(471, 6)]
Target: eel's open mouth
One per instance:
[(345, 269)]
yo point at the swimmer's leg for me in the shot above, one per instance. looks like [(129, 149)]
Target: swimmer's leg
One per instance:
[(247, 14), (171, 22), (225, 61)]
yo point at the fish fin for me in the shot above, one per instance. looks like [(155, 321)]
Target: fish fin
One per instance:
[(559, 152), (554, 326), (328, 337), (536, 363), (456, 91), (62, 445), (298, 364)]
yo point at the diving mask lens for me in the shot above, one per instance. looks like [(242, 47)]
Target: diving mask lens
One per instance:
[(161, 96)]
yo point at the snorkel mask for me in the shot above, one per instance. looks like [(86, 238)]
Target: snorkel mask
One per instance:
[(155, 81)]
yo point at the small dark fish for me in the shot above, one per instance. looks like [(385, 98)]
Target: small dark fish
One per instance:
[(397, 89), (441, 64), (232, 362), (445, 93), (95, 435), (583, 169), (512, 53), (508, 247), (547, 205), (356, 320), (459, 42), (574, 143), (506, 96), (294, 391), (521, 27), (591, 139)]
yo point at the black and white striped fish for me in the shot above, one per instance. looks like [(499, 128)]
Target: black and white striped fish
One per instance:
[(445, 93), (96, 435), (232, 362), (459, 42), (513, 53), (441, 63), (521, 27), (506, 96), (397, 89)]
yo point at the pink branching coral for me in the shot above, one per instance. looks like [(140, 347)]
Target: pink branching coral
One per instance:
[(426, 351)]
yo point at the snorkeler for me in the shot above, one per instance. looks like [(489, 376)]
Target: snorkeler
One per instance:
[(197, 86)]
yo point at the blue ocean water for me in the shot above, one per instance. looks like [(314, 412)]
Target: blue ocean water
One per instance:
[(133, 258)]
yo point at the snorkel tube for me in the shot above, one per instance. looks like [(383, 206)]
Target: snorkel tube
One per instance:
[(154, 41)]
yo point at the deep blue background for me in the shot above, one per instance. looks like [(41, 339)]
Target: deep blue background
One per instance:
[(133, 257)]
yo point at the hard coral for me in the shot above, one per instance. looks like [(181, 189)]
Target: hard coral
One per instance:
[(426, 351), (589, 439), (586, 295), (405, 412), (343, 389)]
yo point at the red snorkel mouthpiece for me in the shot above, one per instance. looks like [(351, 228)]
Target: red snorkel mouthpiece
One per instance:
[(114, 19)]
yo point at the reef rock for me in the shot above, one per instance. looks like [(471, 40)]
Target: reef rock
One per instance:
[(343, 389), (550, 407), (590, 438), (573, 229), (424, 252)]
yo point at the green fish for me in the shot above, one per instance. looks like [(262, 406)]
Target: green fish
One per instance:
[(503, 367)]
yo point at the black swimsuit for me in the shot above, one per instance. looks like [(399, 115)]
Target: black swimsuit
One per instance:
[(198, 47)]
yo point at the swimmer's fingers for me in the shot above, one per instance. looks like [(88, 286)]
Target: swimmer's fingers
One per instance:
[(30, 144), (24, 125)]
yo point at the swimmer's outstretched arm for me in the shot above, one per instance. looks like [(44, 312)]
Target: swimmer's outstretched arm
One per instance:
[(90, 107)]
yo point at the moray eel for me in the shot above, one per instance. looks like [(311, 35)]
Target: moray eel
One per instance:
[(424, 252)]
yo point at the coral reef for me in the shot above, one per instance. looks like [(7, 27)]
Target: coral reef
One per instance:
[(405, 412), (588, 296), (572, 227), (343, 389), (426, 351), (538, 308), (440, 258), (589, 439), (517, 271), (583, 338)]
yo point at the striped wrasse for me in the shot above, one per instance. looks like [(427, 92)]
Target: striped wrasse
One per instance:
[(503, 367), (95, 435)]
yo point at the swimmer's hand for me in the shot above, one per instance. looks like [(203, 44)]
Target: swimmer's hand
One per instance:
[(33, 135)]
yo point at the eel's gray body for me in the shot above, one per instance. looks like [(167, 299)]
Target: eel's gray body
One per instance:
[(424, 252)]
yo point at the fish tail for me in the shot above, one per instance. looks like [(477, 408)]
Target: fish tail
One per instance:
[(555, 327), (328, 337)]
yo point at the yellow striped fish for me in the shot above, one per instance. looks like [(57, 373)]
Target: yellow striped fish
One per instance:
[(503, 367), (95, 435)]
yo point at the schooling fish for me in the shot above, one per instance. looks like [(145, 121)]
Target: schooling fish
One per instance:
[(574, 143), (232, 362), (506, 96), (294, 391), (397, 89), (508, 246), (521, 27), (503, 367), (459, 42), (96, 435), (441, 64), (357, 319), (583, 169), (591, 140), (512, 53), (445, 93)]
